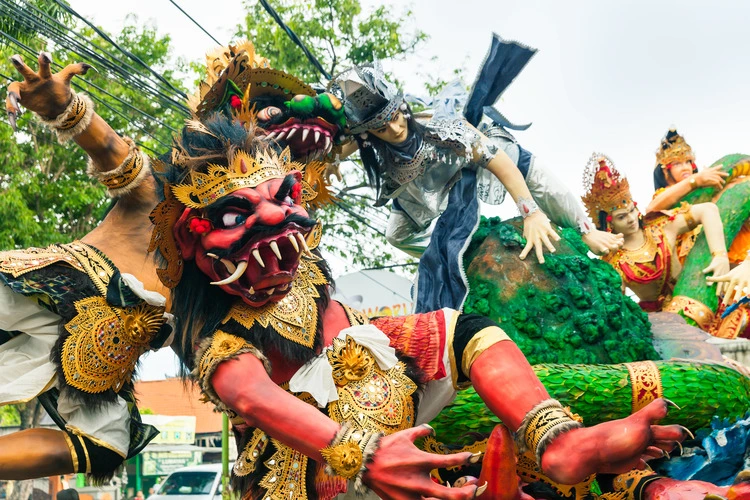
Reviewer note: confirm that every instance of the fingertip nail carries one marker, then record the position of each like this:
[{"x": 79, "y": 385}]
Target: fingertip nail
[
  {"x": 430, "y": 428},
  {"x": 47, "y": 56},
  {"x": 480, "y": 490},
  {"x": 687, "y": 431},
  {"x": 671, "y": 403},
  {"x": 475, "y": 458}
]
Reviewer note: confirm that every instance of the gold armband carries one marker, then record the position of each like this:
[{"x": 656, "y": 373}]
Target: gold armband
[
  {"x": 350, "y": 452},
  {"x": 127, "y": 176},
  {"x": 542, "y": 425},
  {"x": 74, "y": 120}
]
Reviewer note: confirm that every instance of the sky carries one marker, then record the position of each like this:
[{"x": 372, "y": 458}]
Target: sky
[{"x": 609, "y": 76}]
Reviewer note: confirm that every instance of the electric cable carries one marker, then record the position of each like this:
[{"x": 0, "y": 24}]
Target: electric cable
[{"x": 196, "y": 23}]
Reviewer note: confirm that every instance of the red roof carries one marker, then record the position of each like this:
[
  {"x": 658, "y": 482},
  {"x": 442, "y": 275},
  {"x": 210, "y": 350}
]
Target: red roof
[{"x": 173, "y": 397}]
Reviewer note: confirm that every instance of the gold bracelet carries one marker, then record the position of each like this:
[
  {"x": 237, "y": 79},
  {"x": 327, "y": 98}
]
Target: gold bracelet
[
  {"x": 127, "y": 176},
  {"x": 693, "y": 184},
  {"x": 542, "y": 425},
  {"x": 74, "y": 120},
  {"x": 720, "y": 253},
  {"x": 350, "y": 452}
]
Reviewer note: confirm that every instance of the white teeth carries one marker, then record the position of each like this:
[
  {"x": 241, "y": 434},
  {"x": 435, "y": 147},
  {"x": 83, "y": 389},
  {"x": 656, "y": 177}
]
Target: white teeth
[
  {"x": 317, "y": 136},
  {"x": 304, "y": 244},
  {"x": 294, "y": 243},
  {"x": 291, "y": 133},
  {"x": 251, "y": 291},
  {"x": 304, "y": 134},
  {"x": 280, "y": 137},
  {"x": 237, "y": 274},
  {"x": 275, "y": 247},
  {"x": 272, "y": 135},
  {"x": 270, "y": 291},
  {"x": 213, "y": 256},
  {"x": 256, "y": 254},
  {"x": 328, "y": 143},
  {"x": 230, "y": 265}
]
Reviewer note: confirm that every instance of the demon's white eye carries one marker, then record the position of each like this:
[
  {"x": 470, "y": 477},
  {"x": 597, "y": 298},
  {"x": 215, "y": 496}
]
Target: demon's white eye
[
  {"x": 231, "y": 219},
  {"x": 266, "y": 114}
]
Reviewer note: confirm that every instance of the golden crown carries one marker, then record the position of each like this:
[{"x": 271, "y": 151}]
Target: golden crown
[
  {"x": 606, "y": 190},
  {"x": 243, "y": 171},
  {"x": 673, "y": 149}
]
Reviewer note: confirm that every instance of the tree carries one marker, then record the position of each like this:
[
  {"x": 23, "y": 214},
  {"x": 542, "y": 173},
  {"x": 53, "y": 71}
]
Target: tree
[
  {"x": 340, "y": 35},
  {"x": 44, "y": 184}
]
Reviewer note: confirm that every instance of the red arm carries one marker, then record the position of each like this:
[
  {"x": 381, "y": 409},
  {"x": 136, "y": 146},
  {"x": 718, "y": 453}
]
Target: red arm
[{"x": 243, "y": 385}]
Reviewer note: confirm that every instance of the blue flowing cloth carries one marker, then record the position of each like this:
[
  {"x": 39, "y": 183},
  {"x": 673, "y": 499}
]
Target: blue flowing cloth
[{"x": 441, "y": 278}]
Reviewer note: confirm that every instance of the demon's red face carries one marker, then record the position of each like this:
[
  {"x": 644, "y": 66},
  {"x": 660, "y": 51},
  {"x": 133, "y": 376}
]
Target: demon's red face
[{"x": 249, "y": 242}]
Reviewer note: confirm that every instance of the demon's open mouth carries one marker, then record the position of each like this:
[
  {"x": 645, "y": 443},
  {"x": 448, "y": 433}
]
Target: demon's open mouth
[
  {"x": 308, "y": 139},
  {"x": 265, "y": 267}
]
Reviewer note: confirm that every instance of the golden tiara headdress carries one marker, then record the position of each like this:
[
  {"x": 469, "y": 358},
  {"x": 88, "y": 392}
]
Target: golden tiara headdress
[
  {"x": 243, "y": 171},
  {"x": 606, "y": 190},
  {"x": 673, "y": 149}
]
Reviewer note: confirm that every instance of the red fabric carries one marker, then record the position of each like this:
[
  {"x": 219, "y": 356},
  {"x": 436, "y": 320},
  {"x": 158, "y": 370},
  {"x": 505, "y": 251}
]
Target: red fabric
[{"x": 419, "y": 336}]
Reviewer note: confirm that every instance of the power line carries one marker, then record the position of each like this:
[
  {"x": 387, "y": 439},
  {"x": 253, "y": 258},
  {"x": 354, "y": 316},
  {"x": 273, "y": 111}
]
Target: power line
[
  {"x": 114, "y": 44},
  {"x": 57, "y": 32},
  {"x": 196, "y": 23}
]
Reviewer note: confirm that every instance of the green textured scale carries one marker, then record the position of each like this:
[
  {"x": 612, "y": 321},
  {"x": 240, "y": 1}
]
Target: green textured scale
[
  {"x": 568, "y": 310},
  {"x": 600, "y": 393},
  {"x": 734, "y": 207}
]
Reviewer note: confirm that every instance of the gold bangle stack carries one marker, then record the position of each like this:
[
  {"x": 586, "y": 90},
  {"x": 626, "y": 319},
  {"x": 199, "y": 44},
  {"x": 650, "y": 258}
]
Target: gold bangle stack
[
  {"x": 74, "y": 120},
  {"x": 542, "y": 424},
  {"x": 127, "y": 176},
  {"x": 350, "y": 452}
]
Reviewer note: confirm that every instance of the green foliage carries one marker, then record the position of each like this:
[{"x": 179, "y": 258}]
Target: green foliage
[
  {"x": 10, "y": 25},
  {"x": 9, "y": 416},
  {"x": 337, "y": 32},
  {"x": 47, "y": 196}
]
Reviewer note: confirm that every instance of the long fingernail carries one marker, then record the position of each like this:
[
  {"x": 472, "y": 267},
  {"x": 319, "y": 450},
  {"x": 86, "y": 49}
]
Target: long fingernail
[
  {"x": 671, "y": 403},
  {"x": 432, "y": 430},
  {"x": 47, "y": 57},
  {"x": 475, "y": 458},
  {"x": 12, "y": 120},
  {"x": 86, "y": 67},
  {"x": 665, "y": 453},
  {"x": 687, "y": 431},
  {"x": 679, "y": 445},
  {"x": 14, "y": 98},
  {"x": 16, "y": 59},
  {"x": 480, "y": 490}
]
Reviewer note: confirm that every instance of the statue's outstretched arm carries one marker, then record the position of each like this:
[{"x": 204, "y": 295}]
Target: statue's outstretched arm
[
  {"x": 671, "y": 195},
  {"x": 115, "y": 161}
]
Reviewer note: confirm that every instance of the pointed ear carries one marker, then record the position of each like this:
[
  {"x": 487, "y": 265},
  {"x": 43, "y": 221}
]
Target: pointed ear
[{"x": 187, "y": 240}]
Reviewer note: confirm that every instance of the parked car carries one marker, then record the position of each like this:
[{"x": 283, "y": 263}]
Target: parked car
[{"x": 199, "y": 482}]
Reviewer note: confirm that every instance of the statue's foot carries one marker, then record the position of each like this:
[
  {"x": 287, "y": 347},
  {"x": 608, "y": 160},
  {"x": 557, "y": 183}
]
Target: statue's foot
[
  {"x": 612, "y": 447},
  {"x": 671, "y": 489}
]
